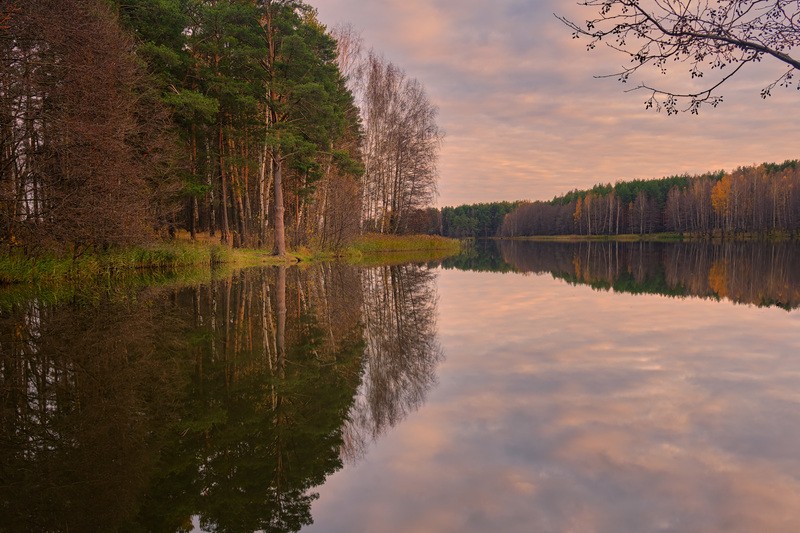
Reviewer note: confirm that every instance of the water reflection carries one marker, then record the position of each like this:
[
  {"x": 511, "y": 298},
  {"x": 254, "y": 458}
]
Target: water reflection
[
  {"x": 762, "y": 274},
  {"x": 274, "y": 375},
  {"x": 401, "y": 355},
  {"x": 87, "y": 391},
  {"x": 565, "y": 409},
  {"x": 221, "y": 405}
]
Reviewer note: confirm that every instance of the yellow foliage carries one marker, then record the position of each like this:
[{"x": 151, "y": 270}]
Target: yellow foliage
[
  {"x": 720, "y": 195},
  {"x": 717, "y": 279}
]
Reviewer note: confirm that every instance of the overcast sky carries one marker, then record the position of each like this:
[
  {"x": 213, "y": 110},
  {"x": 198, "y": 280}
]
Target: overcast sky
[{"x": 526, "y": 119}]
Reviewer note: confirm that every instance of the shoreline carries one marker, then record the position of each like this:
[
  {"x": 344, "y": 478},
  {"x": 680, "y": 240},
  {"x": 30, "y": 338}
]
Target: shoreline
[
  {"x": 654, "y": 237},
  {"x": 204, "y": 255}
]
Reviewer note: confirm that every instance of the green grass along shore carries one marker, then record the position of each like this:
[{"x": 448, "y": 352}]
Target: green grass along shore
[{"x": 17, "y": 268}]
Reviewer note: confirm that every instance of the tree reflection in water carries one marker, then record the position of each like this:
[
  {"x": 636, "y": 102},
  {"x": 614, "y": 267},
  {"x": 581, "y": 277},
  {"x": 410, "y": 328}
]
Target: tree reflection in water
[
  {"x": 401, "y": 352},
  {"x": 87, "y": 391},
  {"x": 276, "y": 367},
  {"x": 754, "y": 273},
  {"x": 223, "y": 404}
]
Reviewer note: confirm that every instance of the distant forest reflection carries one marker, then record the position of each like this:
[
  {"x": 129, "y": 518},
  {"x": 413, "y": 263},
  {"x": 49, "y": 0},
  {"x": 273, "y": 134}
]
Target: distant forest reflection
[
  {"x": 754, "y": 273},
  {"x": 219, "y": 405}
]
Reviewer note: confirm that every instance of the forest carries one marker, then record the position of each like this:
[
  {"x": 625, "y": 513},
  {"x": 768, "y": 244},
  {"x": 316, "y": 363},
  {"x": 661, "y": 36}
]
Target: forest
[
  {"x": 482, "y": 220},
  {"x": 123, "y": 121},
  {"x": 476, "y": 220},
  {"x": 761, "y": 200}
]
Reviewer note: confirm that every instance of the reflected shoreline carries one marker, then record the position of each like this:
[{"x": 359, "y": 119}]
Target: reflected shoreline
[{"x": 750, "y": 273}]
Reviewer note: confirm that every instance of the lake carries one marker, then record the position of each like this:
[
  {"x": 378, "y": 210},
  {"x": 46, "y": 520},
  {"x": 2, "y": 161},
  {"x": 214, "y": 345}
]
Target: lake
[{"x": 517, "y": 387}]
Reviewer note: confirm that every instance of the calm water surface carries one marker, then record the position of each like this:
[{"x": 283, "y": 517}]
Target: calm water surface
[{"x": 518, "y": 387}]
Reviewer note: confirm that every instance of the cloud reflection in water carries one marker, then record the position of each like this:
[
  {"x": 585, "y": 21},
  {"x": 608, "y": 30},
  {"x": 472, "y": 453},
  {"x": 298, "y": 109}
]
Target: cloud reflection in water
[{"x": 561, "y": 408}]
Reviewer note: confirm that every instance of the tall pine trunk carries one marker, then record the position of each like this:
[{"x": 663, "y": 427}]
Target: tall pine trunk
[
  {"x": 226, "y": 236},
  {"x": 280, "y": 231}
]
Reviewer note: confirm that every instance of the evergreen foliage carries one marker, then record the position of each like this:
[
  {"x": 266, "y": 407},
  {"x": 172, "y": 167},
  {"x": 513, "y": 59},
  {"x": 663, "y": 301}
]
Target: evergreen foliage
[
  {"x": 475, "y": 220},
  {"x": 124, "y": 119},
  {"x": 761, "y": 200}
]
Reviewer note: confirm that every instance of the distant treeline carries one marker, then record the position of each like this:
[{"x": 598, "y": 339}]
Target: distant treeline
[
  {"x": 477, "y": 220},
  {"x": 762, "y": 199},
  {"x": 759, "y": 199},
  {"x": 474, "y": 220}
]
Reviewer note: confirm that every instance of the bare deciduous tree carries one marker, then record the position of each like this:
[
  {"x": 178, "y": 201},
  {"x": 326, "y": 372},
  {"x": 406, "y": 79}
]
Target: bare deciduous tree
[
  {"x": 401, "y": 147},
  {"x": 716, "y": 38},
  {"x": 82, "y": 144},
  {"x": 401, "y": 136}
]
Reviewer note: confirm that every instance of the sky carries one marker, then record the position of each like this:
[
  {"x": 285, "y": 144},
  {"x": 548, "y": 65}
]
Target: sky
[{"x": 525, "y": 116}]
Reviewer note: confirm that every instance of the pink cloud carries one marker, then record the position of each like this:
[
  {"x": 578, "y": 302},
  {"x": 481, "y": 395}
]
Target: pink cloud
[{"x": 526, "y": 119}]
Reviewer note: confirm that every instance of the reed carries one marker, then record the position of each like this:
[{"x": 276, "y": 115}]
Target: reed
[{"x": 374, "y": 243}]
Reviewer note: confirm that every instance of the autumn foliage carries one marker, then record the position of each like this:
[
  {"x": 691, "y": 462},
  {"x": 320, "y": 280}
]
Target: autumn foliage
[
  {"x": 123, "y": 121},
  {"x": 762, "y": 199},
  {"x": 84, "y": 152}
]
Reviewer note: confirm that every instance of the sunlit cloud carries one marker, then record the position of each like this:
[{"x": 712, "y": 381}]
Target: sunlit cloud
[{"x": 527, "y": 119}]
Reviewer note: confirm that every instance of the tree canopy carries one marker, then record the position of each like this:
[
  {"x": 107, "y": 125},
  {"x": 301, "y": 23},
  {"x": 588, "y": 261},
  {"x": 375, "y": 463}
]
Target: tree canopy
[
  {"x": 759, "y": 199},
  {"x": 127, "y": 119}
]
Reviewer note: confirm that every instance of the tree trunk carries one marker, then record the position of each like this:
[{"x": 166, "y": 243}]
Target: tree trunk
[
  {"x": 280, "y": 232},
  {"x": 226, "y": 236},
  {"x": 195, "y": 217},
  {"x": 193, "y": 167},
  {"x": 212, "y": 213},
  {"x": 280, "y": 333}
]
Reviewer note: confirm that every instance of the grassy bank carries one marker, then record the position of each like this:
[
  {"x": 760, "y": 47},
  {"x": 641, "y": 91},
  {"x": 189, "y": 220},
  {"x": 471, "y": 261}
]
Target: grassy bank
[
  {"x": 382, "y": 244},
  {"x": 203, "y": 255},
  {"x": 374, "y": 249},
  {"x": 17, "y": 268}
]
